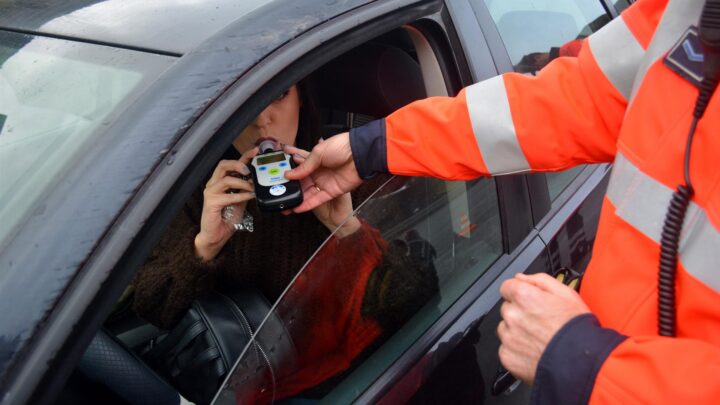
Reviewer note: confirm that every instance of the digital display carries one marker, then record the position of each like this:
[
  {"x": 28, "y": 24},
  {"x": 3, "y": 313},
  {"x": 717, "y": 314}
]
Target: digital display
[{"x": 275, "y": 157}]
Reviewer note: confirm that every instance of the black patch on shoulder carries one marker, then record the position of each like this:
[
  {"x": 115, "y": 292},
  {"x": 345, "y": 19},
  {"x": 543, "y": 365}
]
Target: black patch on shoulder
[{"x": 686, "y": 57}]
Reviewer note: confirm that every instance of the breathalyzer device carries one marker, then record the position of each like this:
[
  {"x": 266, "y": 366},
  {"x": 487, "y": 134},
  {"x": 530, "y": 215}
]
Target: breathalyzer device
[{"x": 273, "y": 192}]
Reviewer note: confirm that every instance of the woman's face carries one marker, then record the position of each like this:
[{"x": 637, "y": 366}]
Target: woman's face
[{"x": 279, "y": 120}]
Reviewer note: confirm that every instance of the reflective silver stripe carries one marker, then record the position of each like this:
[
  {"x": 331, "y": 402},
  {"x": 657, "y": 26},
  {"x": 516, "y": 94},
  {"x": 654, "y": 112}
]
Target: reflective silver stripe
[
  {"x": 642, "y": 202},
  {"x": 618, "y": 54},
  {"x": 700, "y": 252},
  {"x": 678, "y": 16},
  {"x": 492, "y": 124}
]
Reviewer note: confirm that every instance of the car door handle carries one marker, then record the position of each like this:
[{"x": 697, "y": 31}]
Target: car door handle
[{"x": 503, "y": 381}]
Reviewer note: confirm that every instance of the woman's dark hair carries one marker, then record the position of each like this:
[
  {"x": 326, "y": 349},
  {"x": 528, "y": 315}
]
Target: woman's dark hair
[{"x": 309, "y": 126}]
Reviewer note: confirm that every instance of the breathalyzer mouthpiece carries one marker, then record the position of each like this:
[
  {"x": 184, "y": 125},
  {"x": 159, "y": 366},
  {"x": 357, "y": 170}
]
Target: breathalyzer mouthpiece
[{"x": 268, "y": 146}]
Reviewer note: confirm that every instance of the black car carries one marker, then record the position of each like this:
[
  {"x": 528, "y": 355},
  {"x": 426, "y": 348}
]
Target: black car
[{"x": 113, "y": 112}]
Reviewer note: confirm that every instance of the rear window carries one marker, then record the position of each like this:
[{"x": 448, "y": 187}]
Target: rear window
[
  {"x": 56, "y": 96},
  {"x": 537, "y": 31}
]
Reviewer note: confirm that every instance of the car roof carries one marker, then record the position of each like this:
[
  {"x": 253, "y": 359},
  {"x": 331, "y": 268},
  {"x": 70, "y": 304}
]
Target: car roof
[{"x": 158, "y": 25}]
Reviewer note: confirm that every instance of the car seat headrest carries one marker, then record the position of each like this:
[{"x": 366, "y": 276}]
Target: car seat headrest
[{"x": 372, "y": 79}]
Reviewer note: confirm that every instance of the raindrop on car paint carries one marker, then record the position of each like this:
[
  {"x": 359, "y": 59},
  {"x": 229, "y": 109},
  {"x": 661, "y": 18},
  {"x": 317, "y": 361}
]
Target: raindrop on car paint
[{"x": 171, "y": 158}]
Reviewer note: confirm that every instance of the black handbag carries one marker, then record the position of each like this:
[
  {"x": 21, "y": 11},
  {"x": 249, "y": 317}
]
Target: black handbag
[{"x": 199, "y": 352}]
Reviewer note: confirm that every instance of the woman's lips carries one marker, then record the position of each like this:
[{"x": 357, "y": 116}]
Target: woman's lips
[{"x": 265, "y": 138}]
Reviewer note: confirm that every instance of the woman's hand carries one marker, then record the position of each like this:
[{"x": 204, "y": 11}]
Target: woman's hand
[
  {"x": 214, "y": 231},
  {"x": 334, "y": 212}
]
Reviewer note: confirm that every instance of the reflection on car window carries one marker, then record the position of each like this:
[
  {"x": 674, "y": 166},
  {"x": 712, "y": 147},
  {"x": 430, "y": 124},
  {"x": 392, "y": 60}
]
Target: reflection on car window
[
  {"x": 363, "y": 299},
  {"x": 537, "y": 31},
  {"x": 621, "y": 5},
  {"x": 558, "y": 181},
  {"x": 55, "y": 94}
]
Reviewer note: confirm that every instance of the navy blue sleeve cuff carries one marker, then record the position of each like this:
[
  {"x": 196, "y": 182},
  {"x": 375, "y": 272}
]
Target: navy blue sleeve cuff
[
  {"x": 567, "y": 369},
  {"x": 369, "y": 149}
]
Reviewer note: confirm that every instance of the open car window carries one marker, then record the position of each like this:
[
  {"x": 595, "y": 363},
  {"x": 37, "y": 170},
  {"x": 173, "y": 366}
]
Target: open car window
[{"x": 361, "y": 300}]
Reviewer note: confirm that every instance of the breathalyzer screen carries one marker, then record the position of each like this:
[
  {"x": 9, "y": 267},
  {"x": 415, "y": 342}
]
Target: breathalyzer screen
[{"x": 276, "y": 157}]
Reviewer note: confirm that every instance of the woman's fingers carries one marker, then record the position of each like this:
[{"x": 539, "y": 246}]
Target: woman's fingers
[
  {"x": 225, "y": 167},
  {"x": 248, "y": 155},
  {"x": 232, "y": 199},
  {"x": 221, "y": 170},
  {"x": 227, "y": 183}
]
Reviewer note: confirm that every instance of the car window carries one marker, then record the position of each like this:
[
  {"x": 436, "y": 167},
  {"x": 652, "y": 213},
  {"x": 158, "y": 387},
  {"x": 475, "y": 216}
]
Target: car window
[
  {"x": 558, "y": 181},
  {"x": 55, "y": 95},
  {"x": 362, "y": 300},
  {"x": 537, "y": 31},
  {"x": 621, "y": 5}
]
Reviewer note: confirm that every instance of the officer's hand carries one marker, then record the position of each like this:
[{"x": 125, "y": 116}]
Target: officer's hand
[
  {"x": 535, "y": 308},
  {"x": 327, "y": 173},
  {"x": 335, "y": 212}
]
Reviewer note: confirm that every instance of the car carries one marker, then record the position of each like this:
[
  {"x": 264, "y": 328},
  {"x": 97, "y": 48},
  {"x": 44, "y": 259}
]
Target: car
[{"x": 112, "y": 112}]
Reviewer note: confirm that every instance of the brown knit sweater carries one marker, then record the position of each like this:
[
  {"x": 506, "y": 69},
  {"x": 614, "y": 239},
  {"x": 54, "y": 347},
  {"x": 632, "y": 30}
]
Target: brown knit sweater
[{"x": 267, "y": 258}]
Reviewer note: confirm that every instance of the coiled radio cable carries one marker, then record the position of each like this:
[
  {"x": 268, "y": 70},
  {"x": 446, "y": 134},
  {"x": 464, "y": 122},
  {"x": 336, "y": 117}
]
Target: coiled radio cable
[{"x": 672, "y": 228}]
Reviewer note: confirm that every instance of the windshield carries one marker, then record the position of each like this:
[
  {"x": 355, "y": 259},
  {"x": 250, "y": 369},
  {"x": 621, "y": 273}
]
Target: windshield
[
  {"x": 361, "y": 300},
  {"x": 56, "y": 96}
]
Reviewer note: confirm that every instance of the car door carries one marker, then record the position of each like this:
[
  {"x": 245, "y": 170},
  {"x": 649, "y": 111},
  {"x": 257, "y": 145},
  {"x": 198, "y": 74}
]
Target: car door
[
  {"x": 442, "y": 247},
  {"x": 447, "y": 348},
  {"x": 473, "y": 234},
  {"x": 565, "y": 205}
]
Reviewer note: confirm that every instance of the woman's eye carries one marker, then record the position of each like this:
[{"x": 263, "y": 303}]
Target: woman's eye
[{"x": 282, "y": 95}]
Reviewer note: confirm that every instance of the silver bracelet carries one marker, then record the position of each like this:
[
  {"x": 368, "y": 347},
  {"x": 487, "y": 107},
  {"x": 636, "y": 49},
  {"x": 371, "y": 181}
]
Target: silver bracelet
[{"x": 246, "y": 224}]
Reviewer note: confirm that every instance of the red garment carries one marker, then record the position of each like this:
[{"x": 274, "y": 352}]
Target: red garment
[
  {"x": 322, "y": 311},
  {"x": 572, "y": 48}
]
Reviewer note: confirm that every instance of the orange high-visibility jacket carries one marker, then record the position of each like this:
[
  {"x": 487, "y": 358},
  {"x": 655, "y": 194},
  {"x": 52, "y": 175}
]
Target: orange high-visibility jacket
[{"x": 616, "y": 102}]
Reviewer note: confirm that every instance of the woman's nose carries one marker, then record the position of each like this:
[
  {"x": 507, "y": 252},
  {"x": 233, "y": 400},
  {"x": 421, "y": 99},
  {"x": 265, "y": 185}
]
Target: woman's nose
[{"x": 263, "y": 119}]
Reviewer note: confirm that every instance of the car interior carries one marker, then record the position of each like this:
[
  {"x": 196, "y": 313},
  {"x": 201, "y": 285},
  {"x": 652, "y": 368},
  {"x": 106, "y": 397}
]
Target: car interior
[{"x": 382, "y": 75}]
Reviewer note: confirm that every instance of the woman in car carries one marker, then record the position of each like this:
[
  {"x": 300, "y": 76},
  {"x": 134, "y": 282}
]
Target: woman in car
[{"x": 201, "y": 251}]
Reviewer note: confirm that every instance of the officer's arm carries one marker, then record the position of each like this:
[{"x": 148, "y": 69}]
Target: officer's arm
[
  {"x": 569, "y": 114},
  {"x": 585, "y": 363}
]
